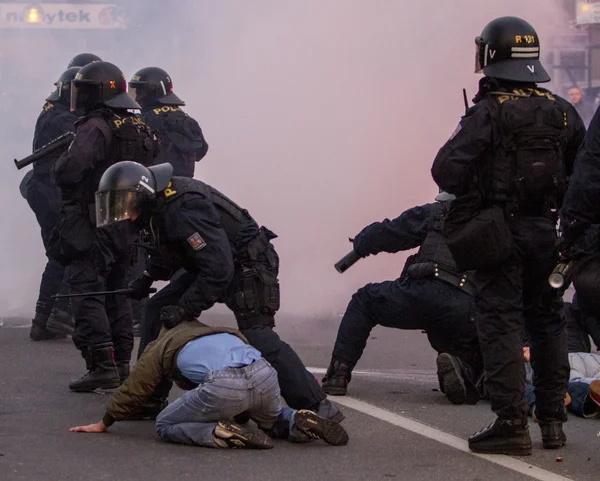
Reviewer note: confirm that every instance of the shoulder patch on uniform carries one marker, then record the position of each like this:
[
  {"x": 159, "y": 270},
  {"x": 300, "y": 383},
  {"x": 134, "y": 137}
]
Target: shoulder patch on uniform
[{"x": 196, "y": 241}]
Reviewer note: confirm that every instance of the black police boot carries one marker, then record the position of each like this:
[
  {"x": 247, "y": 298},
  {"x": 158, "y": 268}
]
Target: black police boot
[
  {"x": 61, "y": 321},
  {"x": 102, "y": 370},
  {"x": 337, "y": 378},
  {"x": 40, "y": 332},
  {"x": 123, "y": 370},
  {"x": 149, "y": 410},
  {"x": 327, "y": 410},
  {"x": 553, "y": 436},
  {"x": 504, "y": 436}
]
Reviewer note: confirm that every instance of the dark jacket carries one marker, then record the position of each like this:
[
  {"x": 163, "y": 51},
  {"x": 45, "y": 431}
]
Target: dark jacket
[
  {"x": 181, "y": 138},
  {"x": 191, "y": 236},
  {"x": 583, "y": 195},
  {"x": 158, "y": 362},
  {"x": 473, "y": 144},
  {"x": 55, "y": 120}
]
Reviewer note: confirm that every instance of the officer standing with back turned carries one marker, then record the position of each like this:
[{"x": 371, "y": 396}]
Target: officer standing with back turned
[
  {"x": 181, "y": 138},
  {"x": 507, "y": 163}
]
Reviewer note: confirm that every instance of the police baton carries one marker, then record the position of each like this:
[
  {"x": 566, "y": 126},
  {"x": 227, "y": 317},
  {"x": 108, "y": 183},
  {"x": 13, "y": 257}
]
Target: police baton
[{"x": 124, "y": 292}]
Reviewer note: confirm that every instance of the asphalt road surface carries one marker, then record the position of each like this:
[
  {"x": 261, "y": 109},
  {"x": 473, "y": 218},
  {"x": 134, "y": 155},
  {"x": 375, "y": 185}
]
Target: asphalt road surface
[{"x": 400, "y": 426}]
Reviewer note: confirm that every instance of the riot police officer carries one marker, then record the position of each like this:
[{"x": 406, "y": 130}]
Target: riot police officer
[
  {"x": 431, "y": 294},
  {"x": 212, "y": 251},
  {"x": 99, "y": 260},
  {"x": 82, "y": 59},
  {"x": 51, "y": 321},
  {"x": 181, "y": 138},
  {"x": 507, "y": 162}
]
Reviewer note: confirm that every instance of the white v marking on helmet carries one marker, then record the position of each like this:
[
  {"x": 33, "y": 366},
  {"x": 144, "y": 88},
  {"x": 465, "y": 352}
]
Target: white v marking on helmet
[
  {"x": 492, "y": 54},
  {"x": 531, "y": 68},
  {"x": 147, "y": 187}
]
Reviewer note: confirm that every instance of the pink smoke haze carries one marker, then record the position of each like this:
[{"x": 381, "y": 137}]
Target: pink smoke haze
[{"x": 322, "y": 117}]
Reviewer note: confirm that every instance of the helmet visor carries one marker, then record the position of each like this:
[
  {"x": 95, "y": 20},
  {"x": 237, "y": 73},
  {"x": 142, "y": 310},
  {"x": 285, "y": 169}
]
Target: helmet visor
[
  {"x": 115, "y": 206},
  {"x": 480, "y": 54},
  {"x": 83, "y": 96},
  {"x": 139, "y": 91}
]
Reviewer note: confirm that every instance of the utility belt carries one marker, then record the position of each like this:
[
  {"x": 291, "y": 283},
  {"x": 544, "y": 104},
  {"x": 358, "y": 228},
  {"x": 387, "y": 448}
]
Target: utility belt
[{"x": 431, "y": 270}]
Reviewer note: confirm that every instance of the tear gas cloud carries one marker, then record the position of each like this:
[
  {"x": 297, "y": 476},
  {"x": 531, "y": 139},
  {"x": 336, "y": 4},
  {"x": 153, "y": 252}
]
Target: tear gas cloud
[{"x": 322, "y": 117}]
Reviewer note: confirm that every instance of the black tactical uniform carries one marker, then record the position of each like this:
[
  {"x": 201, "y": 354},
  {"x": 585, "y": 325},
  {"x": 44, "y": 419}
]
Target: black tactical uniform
[
  {"x": 181, "y": 138},
  {"x": 507, "y": 162},
  {"x": 430, "y": 294},
  {"x": 43, "y": 197},
  {"x": 99, "y": 260},
  {"x": 212, "y": 251}
]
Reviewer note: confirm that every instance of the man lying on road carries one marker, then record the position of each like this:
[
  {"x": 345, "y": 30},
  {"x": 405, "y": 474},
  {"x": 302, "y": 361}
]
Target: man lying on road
[{"x": 225, "y": 377}]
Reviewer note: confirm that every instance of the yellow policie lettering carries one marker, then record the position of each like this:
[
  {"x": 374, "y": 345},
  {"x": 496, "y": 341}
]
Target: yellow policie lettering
[
  {"x": 132, "y": 120},
  {"x": 48, "y": 106},
  {"x": 168, "y": 191},
  {"x": 165, "y": 108}
]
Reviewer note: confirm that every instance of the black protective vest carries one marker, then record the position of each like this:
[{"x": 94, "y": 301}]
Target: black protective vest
[
  {"x": 181, "y": 138},
  {"x": 237, "y": 222},
  {"x": 434, "y": 249},
  {"x": 132, "y": 140},
  {"x": 526, "y": 165}
]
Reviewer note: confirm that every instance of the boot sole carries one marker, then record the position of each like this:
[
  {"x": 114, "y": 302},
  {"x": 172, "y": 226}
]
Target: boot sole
[
  {"x": 317, "y": 427},
  {"x": 454, "y": 386},
  {"x": 238, "y": 437},
  {"x": 521, "y": 451},
  {"x": 103, "y": 387},
  {"x": 335, "y": 391}
]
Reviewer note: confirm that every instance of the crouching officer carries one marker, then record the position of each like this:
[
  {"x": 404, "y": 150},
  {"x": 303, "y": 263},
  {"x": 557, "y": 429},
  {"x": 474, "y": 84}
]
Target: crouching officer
[
  {"x": 99, "y": 260},
  {"x": 181, "y": 139},
  {"x": 51, "y": 321},
  {"x": 507, "y": 163},
  {"x": 431, "y": 294},
  {"x": 212, "y": 251}
]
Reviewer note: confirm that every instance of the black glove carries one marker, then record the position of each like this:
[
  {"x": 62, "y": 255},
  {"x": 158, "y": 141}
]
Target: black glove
[
  {"x": 567, "y": 242},
  {"x": 140, "y": 287},
  {"x": 172, "y": 316}
]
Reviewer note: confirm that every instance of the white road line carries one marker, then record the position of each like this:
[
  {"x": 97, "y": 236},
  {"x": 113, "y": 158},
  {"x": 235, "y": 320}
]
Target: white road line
[
  {"x": 392, "y": 374},
  {"x": 447, "y": 439}
]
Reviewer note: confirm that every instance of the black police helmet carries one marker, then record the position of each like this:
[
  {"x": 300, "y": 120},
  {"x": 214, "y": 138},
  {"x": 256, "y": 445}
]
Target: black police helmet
[
  {"x": 126, "y": 188},
  {"x": 152, "y": 84},
  {"x": 509, "y": 49},
  {"x": 62, "y": 93},
  {"x": 100, "y": 84},
  {"x": 83, "y": 59}
]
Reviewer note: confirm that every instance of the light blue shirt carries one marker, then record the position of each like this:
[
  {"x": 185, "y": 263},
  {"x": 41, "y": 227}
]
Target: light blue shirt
[{"x": 214, "y": 353}]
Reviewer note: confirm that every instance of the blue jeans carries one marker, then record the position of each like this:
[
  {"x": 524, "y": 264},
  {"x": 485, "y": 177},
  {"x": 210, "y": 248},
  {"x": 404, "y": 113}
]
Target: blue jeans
[
  {"x": 581, "y": 404},
  {"x": 224, "y": 394}
]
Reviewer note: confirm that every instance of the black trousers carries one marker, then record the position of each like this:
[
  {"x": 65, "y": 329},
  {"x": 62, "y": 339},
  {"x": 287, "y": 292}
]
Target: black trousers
[
  {"x": 517, "y": 295},
  {"x": 299, "y": 387},
  {"x": 444, "y": 311},
  {"x": 44, "y": 199},
  {"x": 103, "y": 267}
]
